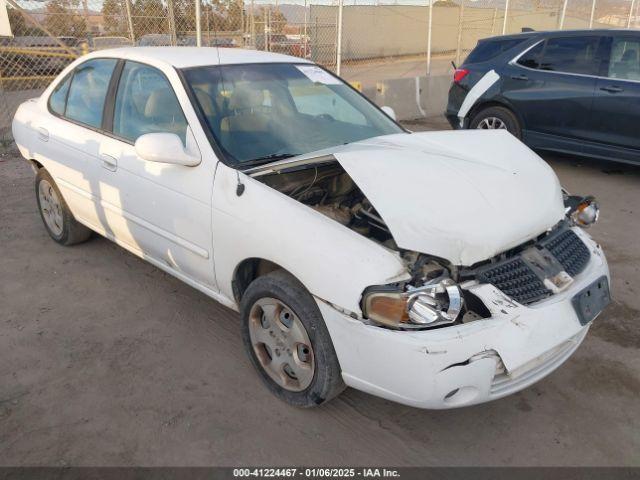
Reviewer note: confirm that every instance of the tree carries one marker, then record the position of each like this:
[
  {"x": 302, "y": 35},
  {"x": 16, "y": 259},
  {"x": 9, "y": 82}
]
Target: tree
[
  {"x": 114, "y": 13},
  {"x": 62, "y": 18},
  {"x": 20, "y": 26},
  {"x": 150, "y": 16}
]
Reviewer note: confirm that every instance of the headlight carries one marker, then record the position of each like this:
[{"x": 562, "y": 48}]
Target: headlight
[
  {"x": 583, "y": 211},
  {"x": 436, "y": 303}
]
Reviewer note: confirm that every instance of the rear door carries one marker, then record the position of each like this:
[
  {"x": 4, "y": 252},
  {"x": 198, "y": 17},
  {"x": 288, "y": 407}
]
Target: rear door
[
  {"x": 551, "y": 85},
  {"x": 615, "y": 117}
]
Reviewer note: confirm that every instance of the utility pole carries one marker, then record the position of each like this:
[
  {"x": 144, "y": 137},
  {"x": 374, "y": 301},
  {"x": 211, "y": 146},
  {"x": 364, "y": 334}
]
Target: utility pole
[
  {"x": 460, "y": 24},
  {"x": 132, "y": 34},
  {"x": 593, "y": 12},
  {"x": 633, "y": 4}
]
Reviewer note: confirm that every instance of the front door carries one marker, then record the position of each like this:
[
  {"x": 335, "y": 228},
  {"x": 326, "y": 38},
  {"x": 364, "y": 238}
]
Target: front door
[
  {"x": 161, "y": 211},
  {"x": 615, "y": 117}
]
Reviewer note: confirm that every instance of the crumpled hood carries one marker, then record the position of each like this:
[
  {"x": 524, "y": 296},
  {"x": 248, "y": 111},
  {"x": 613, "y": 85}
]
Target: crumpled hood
[{"x": 464, "y": 196}]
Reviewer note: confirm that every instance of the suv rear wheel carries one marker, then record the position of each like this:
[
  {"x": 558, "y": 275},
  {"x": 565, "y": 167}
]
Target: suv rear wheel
[{"x": 496, "y": 118}]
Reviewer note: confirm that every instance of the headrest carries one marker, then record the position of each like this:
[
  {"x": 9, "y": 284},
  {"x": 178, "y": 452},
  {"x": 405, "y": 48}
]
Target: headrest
[
  {"x": 244, "y": 97},
  {"x": 162, "y": 103}
]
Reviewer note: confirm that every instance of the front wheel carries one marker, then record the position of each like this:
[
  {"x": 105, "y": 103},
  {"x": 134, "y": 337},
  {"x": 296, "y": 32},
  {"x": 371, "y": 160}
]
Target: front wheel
[
  {"x": 285, "y": 336},
  {"x": 496, "y": 118}
]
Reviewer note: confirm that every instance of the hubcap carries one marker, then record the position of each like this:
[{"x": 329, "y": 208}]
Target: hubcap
[
  {"x": 281, "y": 344},
  {"x": 50, "y": 207},
  {"x": 491, "y": 123}
]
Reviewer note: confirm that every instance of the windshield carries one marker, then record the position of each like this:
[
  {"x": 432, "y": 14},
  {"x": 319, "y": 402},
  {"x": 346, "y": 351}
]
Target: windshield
[{"x": 261, "y": 112}]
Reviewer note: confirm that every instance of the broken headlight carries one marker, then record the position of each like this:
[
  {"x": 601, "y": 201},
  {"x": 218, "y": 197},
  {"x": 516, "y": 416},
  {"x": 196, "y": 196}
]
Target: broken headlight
[
  {"x": 438, "y": 302},
  {"x": 583, "y": 211}
]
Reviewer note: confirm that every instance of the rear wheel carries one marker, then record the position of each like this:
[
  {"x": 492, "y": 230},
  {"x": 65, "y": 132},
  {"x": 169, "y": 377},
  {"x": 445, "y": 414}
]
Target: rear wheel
[
  {"x": 55, "y": 214},
  {"x": 288, "y": 343},
  {"x": 496, "y": 118}
]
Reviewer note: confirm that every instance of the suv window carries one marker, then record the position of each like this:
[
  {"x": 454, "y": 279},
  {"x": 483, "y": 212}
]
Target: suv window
[
  {"x": 571, "y": 55},
  {"x": 488, "y": 49},
  {"x": 88, "y": 90},
  {"x": 146, "y": 103},
  {"x": 531, "y": 58},
  {"x": 625, "y": 58}
]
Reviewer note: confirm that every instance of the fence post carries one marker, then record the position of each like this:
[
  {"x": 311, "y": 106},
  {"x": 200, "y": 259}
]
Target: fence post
[
  {"x": 506, "y": 14},
  {"x": 493, "y": 21},
  {"x": 172, "y": 23},
  {"x": 339, "y": 39},
  {"x": 132, "y": 34},
  {"x": 429, "y": 37},
  {"x": 562, "y": 15},
  {"x": 305, "y": 34},
  {"x": 633, "y": 4},
  {"x": 460, "y": 23},
  {"x": 593, "y": 12},
  {"x": 198, "y": 25}
]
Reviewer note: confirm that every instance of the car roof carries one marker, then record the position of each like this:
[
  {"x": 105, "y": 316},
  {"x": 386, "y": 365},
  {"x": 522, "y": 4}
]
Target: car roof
[
  {"x": 185, "y": 57},
  {"x": 559, "y": 33}
]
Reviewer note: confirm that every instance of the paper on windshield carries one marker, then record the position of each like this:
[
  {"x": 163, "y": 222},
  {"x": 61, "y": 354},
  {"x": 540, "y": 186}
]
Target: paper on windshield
[{"x": 318, "y": 75}]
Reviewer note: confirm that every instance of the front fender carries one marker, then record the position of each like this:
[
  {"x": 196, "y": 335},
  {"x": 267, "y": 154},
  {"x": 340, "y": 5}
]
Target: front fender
[{"x": 333, "y": 262}]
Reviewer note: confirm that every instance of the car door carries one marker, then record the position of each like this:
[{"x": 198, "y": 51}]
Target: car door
[
  {"x": 551, "y": 86},
  {"x": 615, "y": 116},
  {"x": 160, "y": 211},
  {"x": 68, "y": 136}
]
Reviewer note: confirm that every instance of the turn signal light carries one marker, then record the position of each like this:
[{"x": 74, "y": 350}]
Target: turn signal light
[{"x": 459, "y": 74}]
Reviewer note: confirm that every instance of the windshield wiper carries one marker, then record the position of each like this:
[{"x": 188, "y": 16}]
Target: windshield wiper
[{"x": 267, "y": 159}]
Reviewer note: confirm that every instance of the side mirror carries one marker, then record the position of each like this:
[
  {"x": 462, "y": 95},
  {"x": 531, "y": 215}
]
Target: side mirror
[
  {"x": 164, "y": 148},
  {"x": 389, "y": 111}
]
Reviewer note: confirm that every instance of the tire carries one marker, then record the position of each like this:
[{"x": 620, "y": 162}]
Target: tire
[
  {"x": 507, "y": 118},
  {"x": 297, "y": 386},
  {"x": 55, "y": 213}
]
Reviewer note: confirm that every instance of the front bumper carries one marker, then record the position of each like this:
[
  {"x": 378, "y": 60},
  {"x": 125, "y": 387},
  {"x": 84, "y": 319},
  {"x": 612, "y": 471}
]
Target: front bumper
[{"x": 467, "y": 364}]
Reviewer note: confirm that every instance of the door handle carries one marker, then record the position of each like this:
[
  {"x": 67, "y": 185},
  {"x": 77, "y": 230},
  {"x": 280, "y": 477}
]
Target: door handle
[
  {"x": 519, "y": 77},
  {"x": 43, "y": 134},
  {"x": 612, "y": 89},
  {"x": 109, "y": 162}
]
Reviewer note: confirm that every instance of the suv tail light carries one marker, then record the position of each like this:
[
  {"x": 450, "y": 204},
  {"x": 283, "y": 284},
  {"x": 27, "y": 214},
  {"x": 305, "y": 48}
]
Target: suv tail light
[{"x": 459, "y": 74}]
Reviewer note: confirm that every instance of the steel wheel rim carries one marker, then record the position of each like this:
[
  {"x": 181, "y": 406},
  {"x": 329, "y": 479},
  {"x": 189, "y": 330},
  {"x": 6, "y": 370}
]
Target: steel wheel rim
[
  {"x": 281, "y": 344},
  {"x": 491, "y": 123},
  {"x": 50, "y": 207}
]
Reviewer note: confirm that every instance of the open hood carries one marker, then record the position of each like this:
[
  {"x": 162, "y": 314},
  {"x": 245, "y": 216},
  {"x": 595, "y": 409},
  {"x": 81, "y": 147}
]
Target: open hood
[{"x": 463, "y": 196}]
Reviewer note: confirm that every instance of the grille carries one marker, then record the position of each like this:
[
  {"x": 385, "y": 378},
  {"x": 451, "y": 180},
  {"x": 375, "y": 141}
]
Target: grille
[
  {"x": 569, "y": 250},
  {"x": 516, "y": 279}
]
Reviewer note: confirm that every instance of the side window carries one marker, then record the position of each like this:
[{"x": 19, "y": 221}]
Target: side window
[
  {"x": 488, "y": 49},
  {"x": 625, "y": 58},
  {"x": 571, "y": 55},
  {"x": 318, "y": 99},
  {"x": 531, "y": 58},
  {"x": 146, "y": 103},
  {"x": 58, "y": 99},
  {"x": 88, "y": 90}
]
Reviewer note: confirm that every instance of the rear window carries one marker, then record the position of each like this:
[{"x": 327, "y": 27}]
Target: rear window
[{"x": 488, "y": 49}]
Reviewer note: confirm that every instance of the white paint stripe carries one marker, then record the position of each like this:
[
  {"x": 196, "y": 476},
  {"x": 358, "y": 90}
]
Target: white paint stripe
[{"x": 476, "y": 92}]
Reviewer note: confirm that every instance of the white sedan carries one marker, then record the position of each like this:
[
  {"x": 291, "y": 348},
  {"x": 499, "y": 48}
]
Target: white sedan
[{"x": 437, "y": 269}]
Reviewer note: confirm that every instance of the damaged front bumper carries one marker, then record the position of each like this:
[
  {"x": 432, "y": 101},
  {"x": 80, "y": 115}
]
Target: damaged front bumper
[{"x": 467, "y": 364}]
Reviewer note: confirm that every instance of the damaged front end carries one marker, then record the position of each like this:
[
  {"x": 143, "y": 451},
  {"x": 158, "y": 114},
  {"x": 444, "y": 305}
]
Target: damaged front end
[{"x": 438, "y": 293}]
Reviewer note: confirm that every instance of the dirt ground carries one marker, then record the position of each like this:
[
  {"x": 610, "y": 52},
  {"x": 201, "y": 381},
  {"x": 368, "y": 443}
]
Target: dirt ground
[{"x": 106, "y": 360}]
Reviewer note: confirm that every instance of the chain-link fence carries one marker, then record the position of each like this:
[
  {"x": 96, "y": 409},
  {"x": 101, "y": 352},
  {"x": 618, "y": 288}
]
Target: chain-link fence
[{"x": 365, "y": 41}]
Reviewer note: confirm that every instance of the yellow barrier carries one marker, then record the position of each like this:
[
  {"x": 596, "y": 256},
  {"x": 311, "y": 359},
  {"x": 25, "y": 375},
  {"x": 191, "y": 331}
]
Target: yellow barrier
[
  {"x": 356, "y": 84},
  {"x": 29, "y": 51}
]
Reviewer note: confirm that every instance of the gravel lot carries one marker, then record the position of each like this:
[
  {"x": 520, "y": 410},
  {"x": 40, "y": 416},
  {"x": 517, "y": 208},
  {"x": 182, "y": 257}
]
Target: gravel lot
[{"x": 106, "y": 360}]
